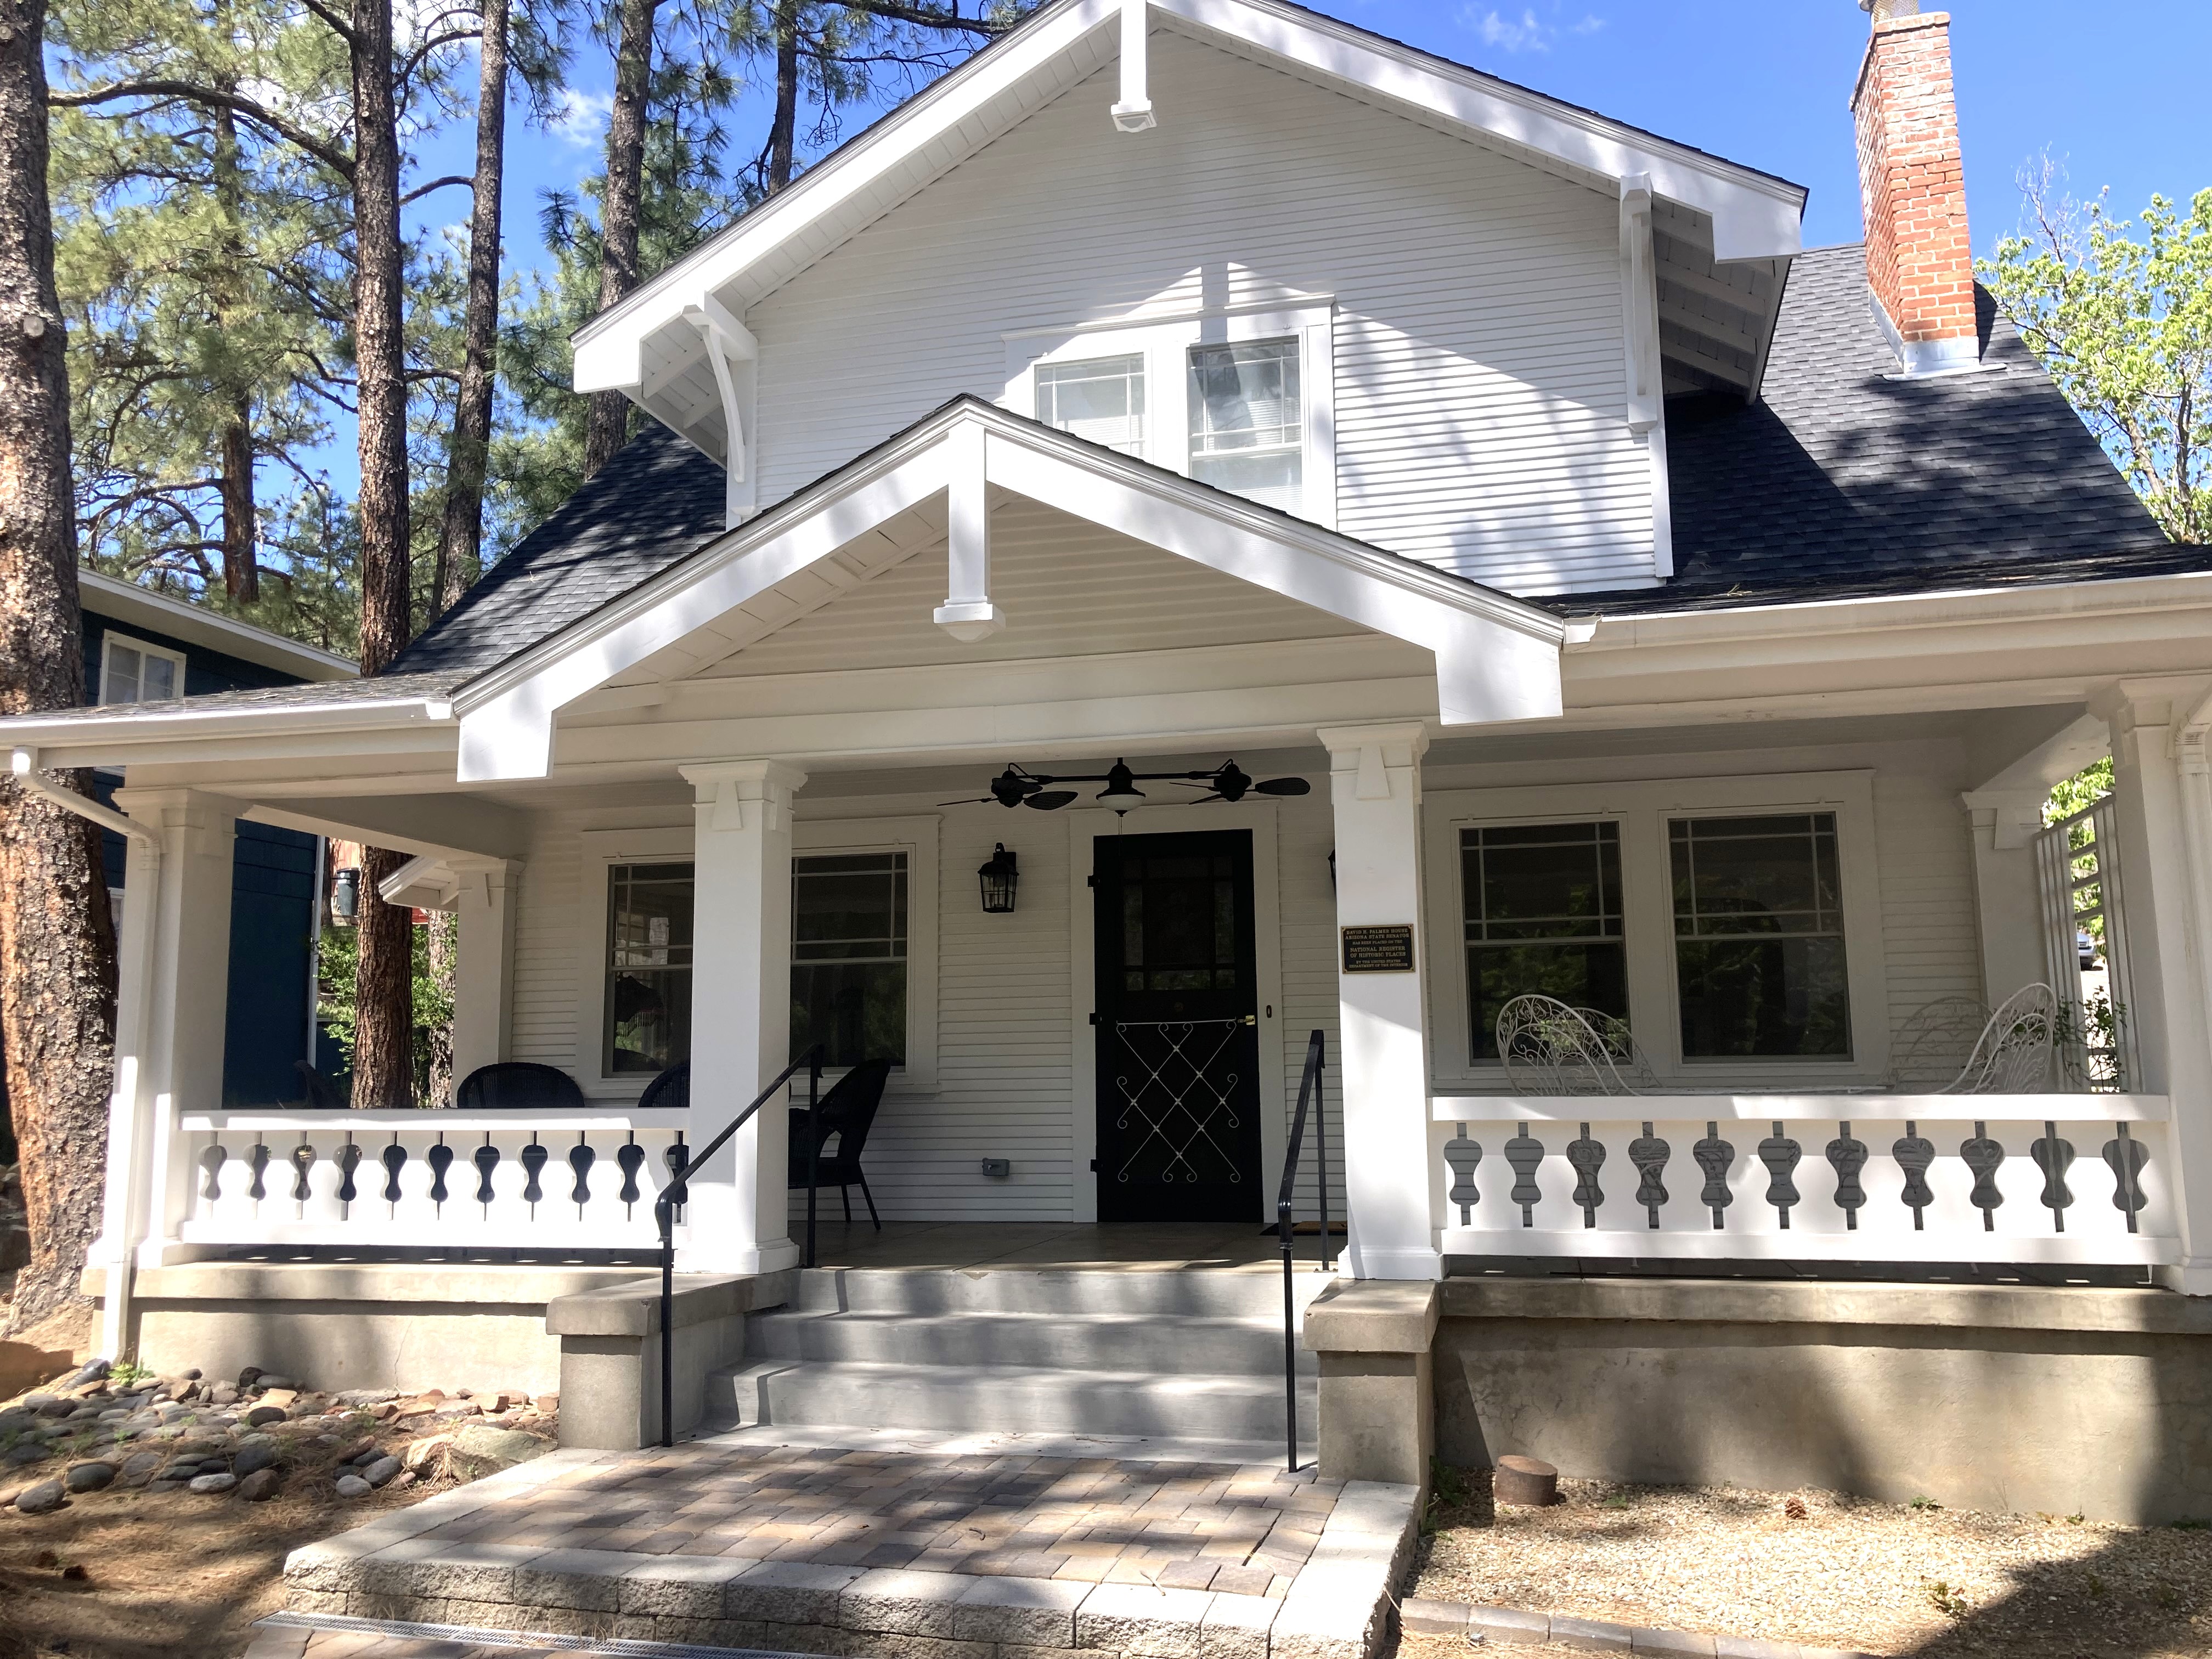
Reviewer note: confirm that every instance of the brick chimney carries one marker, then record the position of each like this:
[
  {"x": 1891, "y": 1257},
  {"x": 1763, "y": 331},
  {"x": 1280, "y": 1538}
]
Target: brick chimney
[{"x": 1920, "y": 265}]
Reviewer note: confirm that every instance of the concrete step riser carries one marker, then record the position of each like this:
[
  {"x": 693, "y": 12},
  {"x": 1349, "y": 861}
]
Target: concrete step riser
[
  {"x": 1045, "y": 1403},
  {"x": 1166, "y": 1346},
  {"x": 1201, "y": 1294}
]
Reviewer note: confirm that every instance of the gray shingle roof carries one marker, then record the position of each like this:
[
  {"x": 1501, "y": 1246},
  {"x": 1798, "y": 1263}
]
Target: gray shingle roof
[
  {"x": 1843, "y": 480},
  {"x": 656, "y": 503}
]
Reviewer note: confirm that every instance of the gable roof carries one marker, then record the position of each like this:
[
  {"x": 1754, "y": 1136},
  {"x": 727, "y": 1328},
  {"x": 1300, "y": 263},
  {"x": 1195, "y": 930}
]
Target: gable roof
[
  {"x": 1846, "y": 481},
  {"x": 648, "y": 345}
]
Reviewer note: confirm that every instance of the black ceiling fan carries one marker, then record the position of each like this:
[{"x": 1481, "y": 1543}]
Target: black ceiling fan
[{"x": 1019, "y": 787}]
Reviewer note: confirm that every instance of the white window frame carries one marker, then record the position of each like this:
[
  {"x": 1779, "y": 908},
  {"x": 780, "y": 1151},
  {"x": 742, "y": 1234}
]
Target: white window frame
[
  {"x": 1643, "y": 810},
  {"x": 111, "y": 637},
  {"x": 917, "y": 837},
  {"x": 1164, "y": 341}
]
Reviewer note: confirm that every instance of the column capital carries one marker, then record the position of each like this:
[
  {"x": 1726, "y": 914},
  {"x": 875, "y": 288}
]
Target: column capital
[
  {"x": 2013, "y": 815},
  {"x": 1365, "y": 759},
  {"x": 722, "y": 791},
  {"x": 1402, "y": 742}
]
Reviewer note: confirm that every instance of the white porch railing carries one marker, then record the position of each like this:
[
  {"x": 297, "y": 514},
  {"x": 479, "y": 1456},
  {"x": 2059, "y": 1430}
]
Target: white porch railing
[
  {"x": 572, "y": 1179},
  {"x": 2076, "y": 1178}
]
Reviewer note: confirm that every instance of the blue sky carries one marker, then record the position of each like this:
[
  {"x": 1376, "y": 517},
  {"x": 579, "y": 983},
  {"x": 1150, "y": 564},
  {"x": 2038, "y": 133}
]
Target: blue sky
[{"x": 2116, "y": 93}]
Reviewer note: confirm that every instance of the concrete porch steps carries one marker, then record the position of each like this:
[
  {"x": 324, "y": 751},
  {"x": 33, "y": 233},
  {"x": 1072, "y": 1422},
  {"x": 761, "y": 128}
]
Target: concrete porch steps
[{"x": 1165, "y": 1356}]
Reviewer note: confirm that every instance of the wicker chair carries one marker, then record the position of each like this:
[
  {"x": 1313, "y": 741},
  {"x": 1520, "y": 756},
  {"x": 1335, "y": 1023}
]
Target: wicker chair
[
  {"x": 516, "y": 1085},
  {"x": 847, "y": 1111},
  {"x": 2013, "y": 1056},
  {"x": 1550, "y": 1050}
]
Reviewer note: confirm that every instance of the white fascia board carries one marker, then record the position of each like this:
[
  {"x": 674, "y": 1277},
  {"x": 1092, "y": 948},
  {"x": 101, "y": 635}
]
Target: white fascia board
[
  {"x": 88, "y": 733},
  {"x": 1496, "y": 659},
  {"x": 1755, "y": 217},
  {"x": 129, "y": 605}
]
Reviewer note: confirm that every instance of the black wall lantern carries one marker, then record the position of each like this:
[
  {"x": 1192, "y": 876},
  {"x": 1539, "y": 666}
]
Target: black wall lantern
[
  {"x": 999, "y": 878},
  {"x": 345, "y": 894}
]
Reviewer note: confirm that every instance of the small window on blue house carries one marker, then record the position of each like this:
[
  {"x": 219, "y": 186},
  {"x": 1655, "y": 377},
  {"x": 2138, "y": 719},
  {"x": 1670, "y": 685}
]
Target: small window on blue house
[{"x": 132, "y": 671}]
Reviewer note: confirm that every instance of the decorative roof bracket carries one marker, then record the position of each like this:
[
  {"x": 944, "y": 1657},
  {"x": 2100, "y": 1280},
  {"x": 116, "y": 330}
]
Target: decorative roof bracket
[{"x": 1134, "y": 111}]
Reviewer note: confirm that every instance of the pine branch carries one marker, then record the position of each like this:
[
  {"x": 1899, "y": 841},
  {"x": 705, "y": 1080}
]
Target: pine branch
[
  {"x": 213, "y": 98},
  {"x": 924, "y": 16},
  {"x": 421, "y": 190}
]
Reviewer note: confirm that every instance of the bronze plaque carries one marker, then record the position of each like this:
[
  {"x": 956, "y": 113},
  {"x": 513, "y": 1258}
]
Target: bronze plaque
[{"x": 1387, "y": 950}]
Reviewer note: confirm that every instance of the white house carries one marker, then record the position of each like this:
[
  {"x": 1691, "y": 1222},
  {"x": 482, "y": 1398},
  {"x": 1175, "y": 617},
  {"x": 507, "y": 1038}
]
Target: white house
[{"x": 1663, "y": 615}]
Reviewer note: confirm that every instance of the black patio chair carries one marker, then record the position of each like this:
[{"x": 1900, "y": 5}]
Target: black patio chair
[
  {"x": 516, "y": 1085},
  {"x": 670, "y": 1089},
  {"x": 847, "y": 1111}
]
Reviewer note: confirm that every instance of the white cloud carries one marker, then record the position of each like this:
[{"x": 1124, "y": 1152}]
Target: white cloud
[
  {"x": 580, "y": 117},
  {"x": 1524, "y": 31}
]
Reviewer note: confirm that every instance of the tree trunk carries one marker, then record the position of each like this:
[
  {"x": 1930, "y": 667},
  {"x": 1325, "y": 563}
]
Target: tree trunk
[
  {"x": 242, "y": 576},
  {"x": 783, "y": 129},
  {"x": 444, "y": 942},
  {"x": 57, "y": 949},
  {"x": 461, "y": 539},
  {"x": 384, "y": 1071},
  {"x": 607, "y": 423}
]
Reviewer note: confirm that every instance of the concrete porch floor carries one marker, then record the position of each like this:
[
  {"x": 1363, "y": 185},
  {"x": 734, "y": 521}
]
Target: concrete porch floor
[
  {"x": 880, "y": 1546},
  {"x": 1045, "y": 1246}
]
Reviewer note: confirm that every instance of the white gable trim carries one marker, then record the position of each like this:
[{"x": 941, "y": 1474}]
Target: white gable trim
[
  {"x": 1755, "y": 217},
  {"x": 1496, "y": 659}
]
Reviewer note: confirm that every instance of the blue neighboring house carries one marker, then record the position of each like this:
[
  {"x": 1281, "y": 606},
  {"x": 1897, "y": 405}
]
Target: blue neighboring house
[{"x": 142, "y": 647}]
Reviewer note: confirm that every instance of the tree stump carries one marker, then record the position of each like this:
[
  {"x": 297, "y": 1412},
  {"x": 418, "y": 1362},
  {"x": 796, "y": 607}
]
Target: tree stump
[{"x": 1524, "y": 1480}]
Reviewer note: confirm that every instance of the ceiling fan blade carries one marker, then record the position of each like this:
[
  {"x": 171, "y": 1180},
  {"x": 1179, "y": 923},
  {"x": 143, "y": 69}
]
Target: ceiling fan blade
[
  {"x": 1284, "y": 787},
  {"x": 979, "y": 801},
  {"x": 1051, "y": 801},
  {"x": 1202, "y": 800}
]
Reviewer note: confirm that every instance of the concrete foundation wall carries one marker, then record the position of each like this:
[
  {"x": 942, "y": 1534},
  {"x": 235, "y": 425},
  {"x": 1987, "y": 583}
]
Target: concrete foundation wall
[{"x": 2008, "y": 1399}]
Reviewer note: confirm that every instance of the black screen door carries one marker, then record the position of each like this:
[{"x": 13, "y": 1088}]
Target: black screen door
[{"x": 1178, "y": 1036}]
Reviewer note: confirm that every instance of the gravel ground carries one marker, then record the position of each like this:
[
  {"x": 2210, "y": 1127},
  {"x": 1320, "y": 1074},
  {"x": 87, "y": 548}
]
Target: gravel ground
[{"x": 1883, "y": 1578}]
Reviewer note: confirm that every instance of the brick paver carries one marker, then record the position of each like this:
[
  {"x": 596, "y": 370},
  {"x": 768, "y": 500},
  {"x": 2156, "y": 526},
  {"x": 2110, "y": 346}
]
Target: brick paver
[{"x": 1086, "y": 1520}]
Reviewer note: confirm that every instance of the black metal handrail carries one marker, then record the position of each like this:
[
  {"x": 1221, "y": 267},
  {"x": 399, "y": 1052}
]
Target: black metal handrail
[
  {"x": 677, "y": 1190},
  {"x": 1309, "y": 1090}
]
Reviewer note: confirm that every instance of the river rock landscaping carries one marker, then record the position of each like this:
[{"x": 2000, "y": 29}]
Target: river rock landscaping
[{"x": 151, "y": 1515}]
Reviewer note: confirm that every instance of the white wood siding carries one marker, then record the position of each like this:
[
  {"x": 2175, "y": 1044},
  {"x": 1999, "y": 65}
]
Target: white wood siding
[{"x": 1479, "y": 381}]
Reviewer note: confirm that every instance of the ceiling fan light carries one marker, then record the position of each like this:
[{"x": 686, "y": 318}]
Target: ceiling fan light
[{"x": 1120, "y": 792}]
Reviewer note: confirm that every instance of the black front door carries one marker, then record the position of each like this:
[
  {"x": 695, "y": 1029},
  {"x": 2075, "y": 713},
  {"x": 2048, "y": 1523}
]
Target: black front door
[{"x": 1178, "y": 1032}]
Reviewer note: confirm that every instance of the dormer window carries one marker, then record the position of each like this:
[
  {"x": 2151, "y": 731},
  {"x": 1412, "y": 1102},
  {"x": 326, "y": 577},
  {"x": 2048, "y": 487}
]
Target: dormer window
[
  {"x": 132, "y": 671},
  {"x": 1101, "y": 399},
  {"x": 1247, "y": 434}
]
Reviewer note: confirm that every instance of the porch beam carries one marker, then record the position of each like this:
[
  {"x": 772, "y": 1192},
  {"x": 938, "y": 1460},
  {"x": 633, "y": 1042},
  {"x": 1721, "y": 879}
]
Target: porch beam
[
  {"x": 1374, "y": 785},
  {"x": 738, "y": 1219}
]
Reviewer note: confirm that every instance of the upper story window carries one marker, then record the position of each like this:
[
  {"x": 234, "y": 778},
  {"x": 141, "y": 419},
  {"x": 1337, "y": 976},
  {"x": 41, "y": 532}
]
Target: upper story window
[
  {"x": 1241, "y": 398},
  {"x": 1247, "y": 433},
  {"x": 1100, "y": 399},
  {"x": 132, "y": 671}
]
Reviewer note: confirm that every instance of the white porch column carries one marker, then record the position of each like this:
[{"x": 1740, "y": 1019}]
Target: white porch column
[
  {"x": 2002, "y": 824},
  {"x": 1382, "y": 1062},
  {"x": 741, "y": 1012},
  {"x": 173, "y": 995},
  {"x": 2166, "y": 881},
  {"x": 484, "y": 975}
]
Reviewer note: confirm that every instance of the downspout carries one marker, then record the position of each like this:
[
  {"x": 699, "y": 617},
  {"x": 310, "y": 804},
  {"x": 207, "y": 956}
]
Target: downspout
[{"x": 115, "y": 1242}]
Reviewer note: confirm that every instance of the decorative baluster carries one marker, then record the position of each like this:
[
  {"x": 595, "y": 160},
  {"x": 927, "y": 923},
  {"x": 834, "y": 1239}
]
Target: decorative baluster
[
  {"x": 1847, "y": 1157},
  {"x": 1781, "y": 1156},
  {"x": 349, "y": 1161},
  {"x": 1714, "y": 1156},
  {"x": 1915, "y": 1155},
  {"x": 486, "y": 1158},
  {"x": 1461, "y": 1155},
  {"x": 440, "y": 1157},
  {"x": 678, "y": 1158},
  {"x": 2054, "y": 1157},
  {"x": 1525, "y": 1153},
  {"x": 631, "y": 1158},
  {"x": 257, "y": 1189},
  {"x": 211, "y": 1161},
  {"x": 534, "y": 1161},
  {"x": 394, "y": 1160},
  {"x": 1984, "y": 1158},
  {"x": 580, "y": 1159},
  {"x": 302, "y": 1159},
  {"x": 1650, "y": 1154},
  {"x": 1588, "y": 1158},
  {"x": 2127, "y": 1156}
]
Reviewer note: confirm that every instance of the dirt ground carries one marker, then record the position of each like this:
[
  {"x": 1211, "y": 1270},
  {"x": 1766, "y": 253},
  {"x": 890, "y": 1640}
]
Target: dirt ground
[{"x": 1882, "y": 1579}]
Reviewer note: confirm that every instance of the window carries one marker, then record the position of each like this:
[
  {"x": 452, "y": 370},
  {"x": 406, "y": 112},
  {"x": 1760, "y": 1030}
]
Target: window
[
  {"x": 1543, "y": 915},
  {"x": 1102, "y": 400},
  {"x": 646, "y": 1017},
  {"x": 134, "y": 671},
  {"x": 849, "y": 947},
  {"x": 1247, "y": 434},
  {"x": 1758, "y": 936},
  {"x": 1179, "y": 930}
]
